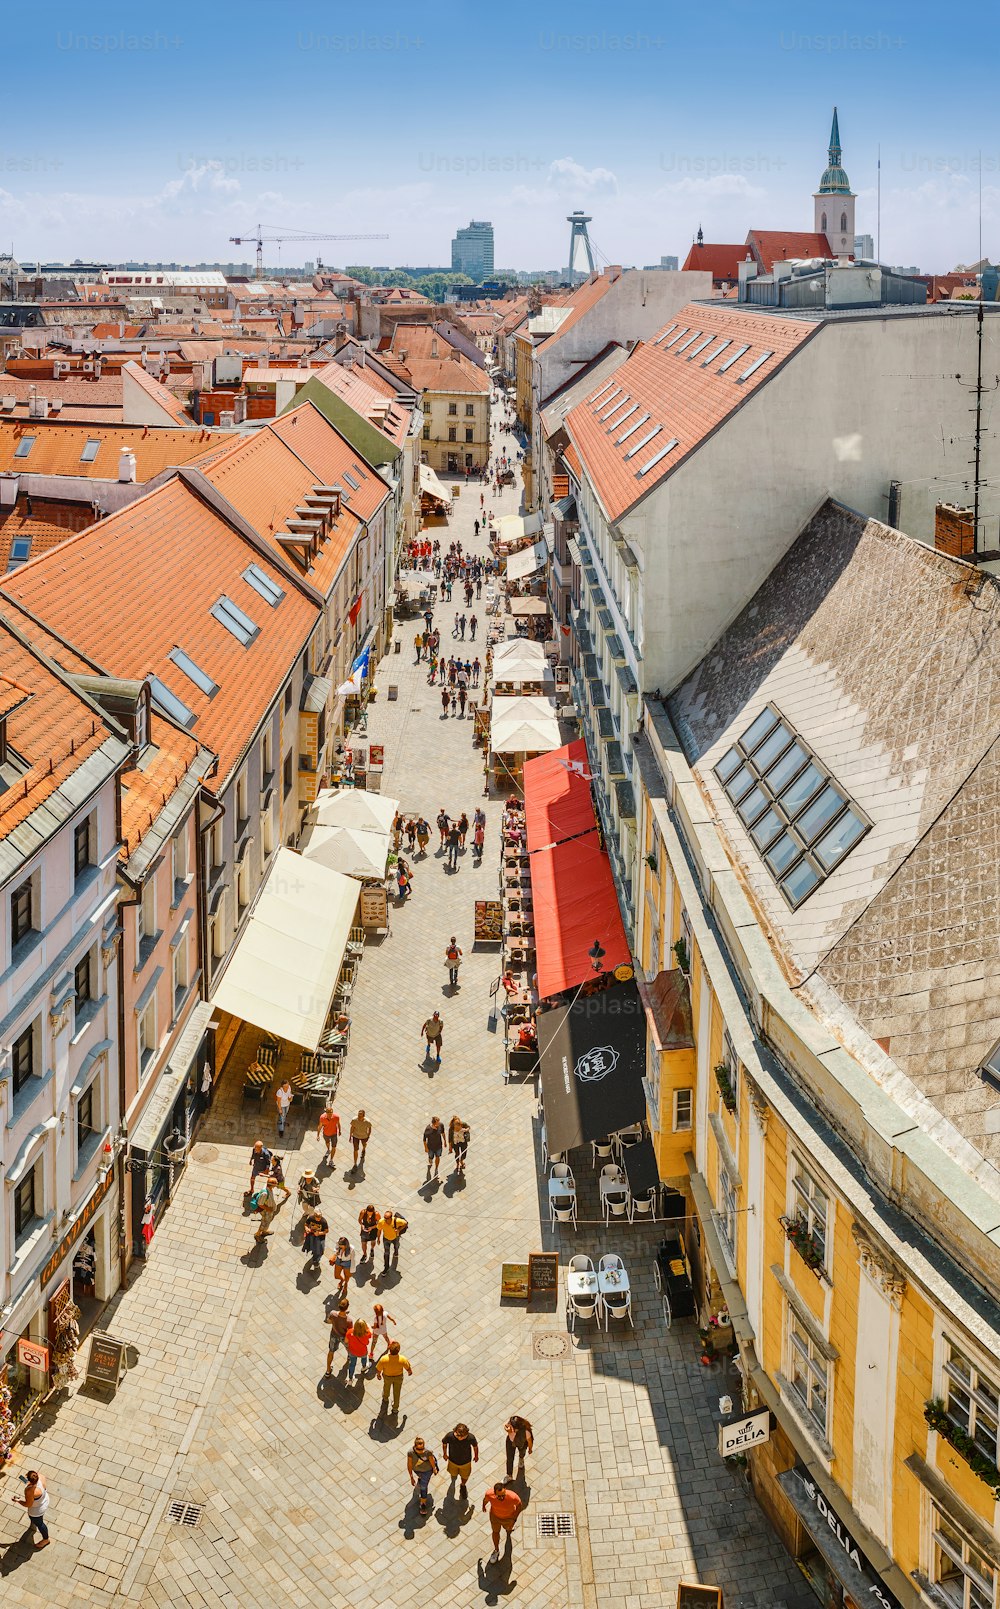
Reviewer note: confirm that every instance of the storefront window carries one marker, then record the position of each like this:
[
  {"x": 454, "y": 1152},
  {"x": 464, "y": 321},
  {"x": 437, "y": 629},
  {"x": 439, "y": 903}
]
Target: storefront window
[
  {"x": 962, "y": 1577},
  {"x": 808, "y": 1373},
  {"x": 972, "y": 1402}
]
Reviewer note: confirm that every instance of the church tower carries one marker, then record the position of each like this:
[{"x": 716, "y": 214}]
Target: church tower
[{"x": 834, "y": 201}]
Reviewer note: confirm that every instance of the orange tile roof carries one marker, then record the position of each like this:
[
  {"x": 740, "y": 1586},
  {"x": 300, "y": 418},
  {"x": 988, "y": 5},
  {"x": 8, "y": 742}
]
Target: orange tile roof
[
  {"x": 329, "y": 455},
  {"x": 680, "y": 391},
  {"x": 369, "y": 395},
  {"x": 450, "y": 375},
  {"x": 16, "y": 524},
  {"x": 157, "y": 393},
  {"x": 103, "y": 393},
  {"x": 580, "y": 302},
  {"x": 115, "y": 332},
  {"x": 146, "y": 789},
  {"x": 53, "y": 730},
  {"x": 159, "y": 566},
  {"x": 722, "y": 262},
  {"x": 58, "y": 447},
  {"x": 772, "y": 246},
  {"x": 572, "y": 458}
]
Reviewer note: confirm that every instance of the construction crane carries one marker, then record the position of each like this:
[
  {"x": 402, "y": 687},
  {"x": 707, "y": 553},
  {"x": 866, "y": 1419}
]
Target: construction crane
[{"x": 293, "y": 236}]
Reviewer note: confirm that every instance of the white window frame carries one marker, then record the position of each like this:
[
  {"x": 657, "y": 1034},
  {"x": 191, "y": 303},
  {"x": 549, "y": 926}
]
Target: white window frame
[
  {"x": 145, "y": 913},
  {"x": 179, "y": 855},
  {"x": 147, "y": 1035},
  {"x": 804, "y": 1196},
  {"x": 956, "y": 1547},
  {"x": 180, "y": 974},
  {"x": 242, "y": 797},
  {"x": 218, "y": 849},
  {"x": 727, "y": 1210},
  {"x": 979, "y": 1401},
  {"x": 679, "y": 1127},
  {"x": 802, "y": 1350}
]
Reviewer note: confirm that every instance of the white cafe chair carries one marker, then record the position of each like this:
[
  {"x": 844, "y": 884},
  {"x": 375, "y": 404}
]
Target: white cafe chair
[
  {"x": 610, "y": 1170},
  {"x": 562, "y": 1210},
  {"x": 562, "y": 1170},
  {"x": 602, "y": 1151},
  {"x": 615, "y": 1203},
  {"x": 617, "y": 1304},
  {"x": 581, "y": 1307},
  {"x": 611, "y": 1261},
  {"x": 642, "y": 1206},
  {"x": 579, "y": 1263}
]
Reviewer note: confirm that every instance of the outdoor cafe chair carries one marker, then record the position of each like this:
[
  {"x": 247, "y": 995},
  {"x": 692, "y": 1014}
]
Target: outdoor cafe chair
[
  {"x": 617, "y": 1304},
  {"x": 643, "y": 1205},
  {"x": 562, "y": 1210},
  {"x": 581, "y": 1307},
  {"x": 580, "y": 1263},
  {"x": 562, "y": 1170},
  {"x": 615, "y": 1205},
  {"x": 611, "y": 1262},
  {"x": 602, "y": 1151}
]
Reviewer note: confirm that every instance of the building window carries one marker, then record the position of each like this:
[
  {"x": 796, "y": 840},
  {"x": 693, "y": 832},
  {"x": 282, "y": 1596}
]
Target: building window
[
  {"x": 267, "y": 755},
  {"x": 181, "y": 974},
  {"x": 972, "y": 1401},
  {"x": 808, "y": 1374},
  {"x": 727, "y": 1211},
  {"x": 179, "y": 859},
  {"x": 469, "y": 410},
  {"x": 427, "y": 432},
  {"x": 960, "y": 1573},
  {"x": 146, "y": 915},
  {"x": 83, "y": 984},
  {"x": 25, "y": 1206},
  {"x": 683, "y": 1110},
  {"x": 22, "y": 908},
  {"x": 267, "y": 830},
  {"x": 147, "y": 1036},
  {"x": 23, "y": 1057},
  {"x": 811, "y": 1203},
  {"x": 288, "y": 698},
  {"x": 452, "y": 409},
  {"x": 452, "y": 433},
  {"x": 85, "y": 1127},
  {"x": 469, "y": 435},
  {"x": 286, "y": 779},
  {"x": 243, "y": 884},
  {"x": 81, "y": 849}
]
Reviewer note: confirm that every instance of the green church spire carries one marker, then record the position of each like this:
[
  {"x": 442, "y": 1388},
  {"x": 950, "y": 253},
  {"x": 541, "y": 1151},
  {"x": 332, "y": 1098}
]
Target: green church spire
[{"x": 834, "y": 181}]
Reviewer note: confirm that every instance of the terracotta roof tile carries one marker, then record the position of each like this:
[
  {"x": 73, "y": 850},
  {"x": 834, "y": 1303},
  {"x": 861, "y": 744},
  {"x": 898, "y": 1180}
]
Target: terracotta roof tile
[
  {"x": 781, "y": 245},
  {"x": 58, "y": 447},
  {"x": 103, "y": 393},
  {"x": 157, "y": 393},
  {"x": 675, "y": 381},
  {"x": 146, "y": 789},
  {"x": 159, "y": 566},
  {"x": 722, "y": 262}
]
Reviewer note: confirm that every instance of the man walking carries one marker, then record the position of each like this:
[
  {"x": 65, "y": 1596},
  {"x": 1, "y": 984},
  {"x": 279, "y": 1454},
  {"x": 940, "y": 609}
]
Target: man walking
[
  {"x": 283, "y": 1097},
  {"x": 340, "y": 1322},
  {"x": 266, "y": 1206},
  {"x": 433, "y": 1032},
  {"x": 454, "y": 843},
  {"x": 418, "y": 643},
  {"x": 361, "y": 1133},
  {"x": 260, "y": 1162},
  {"x": 461, "y": 1449},
  {"x": 390, "y": 1369},
  {"x": 453, "y": 960},
  {"x": 391, "y": 1226},
  {"x": 473, "y": 623},
  {"x": 442, "y": 825},
  {"x": 434, "y": 1145},
  {"x": 461, "y": 626},
  {"x": 328, "y": 1129},
  {"x": 315, "y": 1230},
  {"x": 504, "y": 1506},
  {"x": 35, "y": 1501}
]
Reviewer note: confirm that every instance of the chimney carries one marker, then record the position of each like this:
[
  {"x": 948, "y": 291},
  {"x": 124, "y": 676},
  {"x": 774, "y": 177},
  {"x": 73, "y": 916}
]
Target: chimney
[
  {"x": 126, "y": 466},
  {"x": 613, "y": 272},
  {"x": 954, "y": 532},
  {"x": 456, "y": 356},
  {"x": 434, "y": 347}
]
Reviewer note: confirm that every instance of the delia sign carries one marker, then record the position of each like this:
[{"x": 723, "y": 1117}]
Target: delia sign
[{"x": 742, "y": 1434}]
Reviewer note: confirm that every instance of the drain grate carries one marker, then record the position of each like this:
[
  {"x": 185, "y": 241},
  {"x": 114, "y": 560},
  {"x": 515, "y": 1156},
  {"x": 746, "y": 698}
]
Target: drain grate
[
  {"x": 549, "y": 1346},
  {"x": 185, "y": 1513},
  {"x": 555, "y": 1524}
]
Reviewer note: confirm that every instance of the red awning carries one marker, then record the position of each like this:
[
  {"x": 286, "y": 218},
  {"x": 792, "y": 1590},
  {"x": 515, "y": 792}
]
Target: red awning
[
  {"x": 574, "y": 903},
  {"x": 557, "y": 801}
]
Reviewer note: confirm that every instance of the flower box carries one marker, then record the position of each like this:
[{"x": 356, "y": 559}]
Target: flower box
[
  {"x": 936, "y": 1414},
  {"x": 808, "y": 1247},
  {"x": 724, "y": 1079}
]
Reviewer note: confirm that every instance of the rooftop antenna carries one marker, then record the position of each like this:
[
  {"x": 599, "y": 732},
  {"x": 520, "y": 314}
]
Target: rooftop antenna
[{"x": 878, "y": 207}]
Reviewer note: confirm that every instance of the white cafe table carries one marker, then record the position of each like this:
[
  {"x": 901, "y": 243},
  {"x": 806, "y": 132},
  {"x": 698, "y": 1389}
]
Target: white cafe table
[
  {"x": 613, "y": 1184},
  {"x": 612, "y": 1281},
  {"x": 561, "y": 1187},
  {"x": 581, "y": 1284}
]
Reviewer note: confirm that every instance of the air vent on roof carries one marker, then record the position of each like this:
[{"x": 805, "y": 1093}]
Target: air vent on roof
[
  {"x": 678, "y": 336},
  {"x": 636, "y": 425},
  {"x": 734, "y": 357},
  {"x": 656, "y": 459},
  {"x": 640, "y": 444},
  {"x": 685, "y": 344},
  {"x": 622, "y": 418},
  {"x": 705, "y": 341},
  {"x": 755, "y": 365},
  {"x": 716, "y": 354}
]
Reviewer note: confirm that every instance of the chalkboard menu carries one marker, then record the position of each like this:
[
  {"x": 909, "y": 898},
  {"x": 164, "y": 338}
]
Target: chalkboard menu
[
  {"x": 106, "y": 1362},
  {"x": 489, "y": 921},
  {"x": 543, "y": 1273},
  {"x": 690, "y": 1596}
]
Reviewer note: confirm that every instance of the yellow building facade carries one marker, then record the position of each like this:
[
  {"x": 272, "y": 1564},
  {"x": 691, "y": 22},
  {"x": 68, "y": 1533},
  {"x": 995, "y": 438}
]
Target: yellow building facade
[{"x": 845, "y": 1263}]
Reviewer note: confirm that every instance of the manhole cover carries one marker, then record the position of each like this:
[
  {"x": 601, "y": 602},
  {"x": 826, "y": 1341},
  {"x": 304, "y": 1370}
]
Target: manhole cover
[
  {"x": 204, "y": 1153},
  {"x": 550, "y": 1346},
  {"x": 555, "y": 1525},
  {"x": 185, "y": 1513}
]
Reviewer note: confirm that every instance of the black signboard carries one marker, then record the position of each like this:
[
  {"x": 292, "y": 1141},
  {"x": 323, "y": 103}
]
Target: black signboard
[
  {"x": 106, "y": 1363},
  {"x": 543, "y": 1273},
  {"x": 690, "y": 1596}
]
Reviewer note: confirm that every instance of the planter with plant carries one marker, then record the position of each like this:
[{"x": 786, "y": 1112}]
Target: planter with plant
[
  {"x": 724, "y": 1079},
  {"x": 936, "y": 1414},
  {"x": 807, "y": 1245},
  {"x": 680, "y": 950}
]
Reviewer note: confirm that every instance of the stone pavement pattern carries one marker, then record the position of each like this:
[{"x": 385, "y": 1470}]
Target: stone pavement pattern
[{"x": 305, "y": 1494}]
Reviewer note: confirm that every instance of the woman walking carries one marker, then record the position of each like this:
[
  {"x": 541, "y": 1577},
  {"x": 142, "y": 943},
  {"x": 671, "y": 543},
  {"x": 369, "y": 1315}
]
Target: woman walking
[
  {"x": 342, "y": 1263},
  {"x": 380, "y": 1329},
  {"x": 459, "y": 1135},
  {"x": 368, "y": 1220},
  {"x": 422, "y": 1465},
  {"x": 520, "y": 1441},
  {"x": 357, "y": 1347}
]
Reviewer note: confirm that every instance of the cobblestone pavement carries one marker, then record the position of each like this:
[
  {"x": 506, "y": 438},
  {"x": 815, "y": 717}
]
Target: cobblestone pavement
[{"x": 305, "y": 1493}]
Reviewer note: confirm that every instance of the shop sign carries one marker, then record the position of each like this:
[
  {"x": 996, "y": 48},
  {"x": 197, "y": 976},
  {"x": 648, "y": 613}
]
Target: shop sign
[
  {"x": 877, "y": 1593},
  {"x": 489, "y": 921},
  {"x": 514, "y": 1283},
  {"x": 752, "y": 1431},
  {"x": 692, "y": 1596},
  {"x": 33, "y": 1354},
  {"x": 374, "y": 906},
  {"x": 69, "y": 1240},
  {"x": 543, "y": 1274},
  {"x": 106, "y": 1363},
  {"x": 376, "y": 756}
]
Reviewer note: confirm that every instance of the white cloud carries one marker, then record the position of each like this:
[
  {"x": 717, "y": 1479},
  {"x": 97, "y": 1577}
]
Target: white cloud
[
  {"x": 719, "y": 185},
  {"x": 569, "y": 178},
  {"x": 203, "y": 177}
]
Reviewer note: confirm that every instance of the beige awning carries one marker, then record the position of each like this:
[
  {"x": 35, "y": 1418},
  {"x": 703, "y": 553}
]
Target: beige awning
[
  {"x": 431, "y": 486},
  {"x": 518, "y": 660},
  {"x": 526, "y": 561},
  {"x": 355, "y": 851},
  {"x": 528, "y": 606},
  {"x": 515, "y": 526},
  {"x": 286, "y": 965},
  {"x": 354, "y": 807},
  {"x": 524, "y": 725}
]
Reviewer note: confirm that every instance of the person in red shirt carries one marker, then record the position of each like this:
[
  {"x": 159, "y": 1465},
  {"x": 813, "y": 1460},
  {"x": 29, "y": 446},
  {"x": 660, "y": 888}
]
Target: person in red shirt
[
  {"x": 504, "y": 1506},
  {"x": 328, "y": 1129}
]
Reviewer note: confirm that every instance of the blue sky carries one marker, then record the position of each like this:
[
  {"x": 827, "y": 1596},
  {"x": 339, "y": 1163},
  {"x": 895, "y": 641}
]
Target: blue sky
[{"x": 127, "y": 136}]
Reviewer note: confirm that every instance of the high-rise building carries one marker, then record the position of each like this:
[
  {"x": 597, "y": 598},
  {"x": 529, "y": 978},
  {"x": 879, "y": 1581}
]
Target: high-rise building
[
  {"x": 864, "y": 246},
  {"x": 472, "y": 250}
]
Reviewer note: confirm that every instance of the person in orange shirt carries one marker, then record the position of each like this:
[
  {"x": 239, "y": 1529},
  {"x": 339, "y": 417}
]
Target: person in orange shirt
[
  {"x": 329, "y": 1130},
  {"x": 504, "y": 1506}
]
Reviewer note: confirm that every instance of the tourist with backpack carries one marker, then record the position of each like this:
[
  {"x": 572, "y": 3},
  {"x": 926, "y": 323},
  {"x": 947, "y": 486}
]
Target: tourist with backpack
[
  {"x": 452, "y": 960},
  {"x": 392, "y": 1226}
]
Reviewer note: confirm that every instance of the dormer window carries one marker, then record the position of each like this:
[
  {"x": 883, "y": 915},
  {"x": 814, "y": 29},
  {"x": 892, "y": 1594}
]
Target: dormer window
[{"x": 140, "y": 726}]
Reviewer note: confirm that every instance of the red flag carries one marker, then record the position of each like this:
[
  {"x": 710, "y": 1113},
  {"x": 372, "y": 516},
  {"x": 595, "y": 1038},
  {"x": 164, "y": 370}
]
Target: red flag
[
  {"x": 355, "y": 609},
  {"x": 566, "y": 630}
]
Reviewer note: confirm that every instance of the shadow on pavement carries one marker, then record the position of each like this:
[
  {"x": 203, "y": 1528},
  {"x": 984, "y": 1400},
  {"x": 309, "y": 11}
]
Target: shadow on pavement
[
  {"x": 385, "y": 1429},
  {"x": 16, "y": 1554},
  {"x": 495, "y": 1580}
]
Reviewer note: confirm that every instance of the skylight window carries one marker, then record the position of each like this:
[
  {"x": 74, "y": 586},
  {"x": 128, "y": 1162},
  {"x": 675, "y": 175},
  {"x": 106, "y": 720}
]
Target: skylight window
[
  {"x": 91, "y": 448},
  {"x": 351, "y": 481},
  {"x": 20, "y": 548},
  {"x": 650, "y": 464},
  {"x": 638, "y": 423},
  {"x": 755, "y": 365},
  {"x": 705, "y": 341},
  {"x": 685, "y": 344},
  {"x": 640, "y": 444},
  {"x": 169, "y": 703},
  {"x": 622, "y": 402},
  {"x": 734, "y": 357},
  {"x": 678, "y": 336},
  {"x": 619, "y": 402},
  {"x": 605, "y": 387},
  {"x": 622, "y": 418},
  {"x": 235, "y": 621},
  {"x": 801, "y": 822},
  {"x": 359, "y": 471},
  {"x": 193, "y": 672},
  {"x": 24, "y": 446},
  {"x": 605, "y": 401},
  {"x": 716, "y": 354},
  {"x": 664, "y": 333},
  {"x": 255, "y": 577}
]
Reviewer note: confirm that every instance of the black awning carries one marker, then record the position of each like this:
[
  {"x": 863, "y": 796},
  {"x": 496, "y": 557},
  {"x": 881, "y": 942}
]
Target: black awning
[
  {"x": 592, "y": 1055},
  {"x": 640, "y": 1167}
]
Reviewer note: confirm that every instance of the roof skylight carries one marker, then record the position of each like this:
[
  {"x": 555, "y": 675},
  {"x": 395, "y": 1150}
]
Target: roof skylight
[
  {"x": 717, "y": 353},
  {"x": 656, "y": 458},
  {"x": 687, "y": 343},
  {"x": 169, "y": 703},
  {"x": 351, "y": 481},
  {"x": 194, "y": 673},
  {"x": 255, "y": 577},
  {"x": 622, "y": 418},
  {"x": 801, "y": 822},
  {"x": 755, "y": 365},
  {"x": 623, "y": 402},
  {"x": 605, "y": 401},
  {"x": 605, "y": 387},
  {"x": 24, "y": 446},
  {"x": 633, "y": 427},
  {"x": 640, "y": 444},
  {"x": 612, "y": 407},
  {"x": 734, "y": 357},
  {"x": 239, "y": 625},
  {"x": 706, "y": 340},
  {"x": 664, "y": 333},
  {"x": 677, "y": 337},
  {"x": 91, "y": 448}
]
